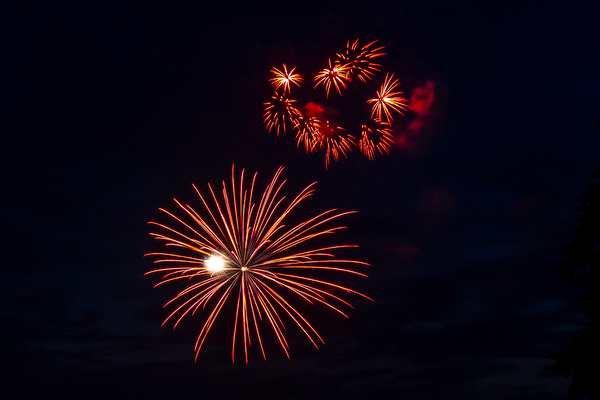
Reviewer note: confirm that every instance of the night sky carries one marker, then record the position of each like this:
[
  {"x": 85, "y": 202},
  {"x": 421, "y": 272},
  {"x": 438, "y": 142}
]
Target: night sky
[{"x": 112, "y": 109}]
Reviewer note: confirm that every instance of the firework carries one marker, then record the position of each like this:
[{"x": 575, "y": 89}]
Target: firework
[
  {"x": 375, "y": 138},
  {"x": 338, "y": 75},
  {"x": 283, "y": 78},
  {"x": 386, "y": 100},
  {"x": 308, "y": 132},
  {"x": 361, "y": 60},
  {"x": 316, "y": 126},
  {"x": 335, "y": 141},
  {"x": 238, "y": 251},
  {"x": 314, "y": 133},
  {"x": 279, "y": 112}
]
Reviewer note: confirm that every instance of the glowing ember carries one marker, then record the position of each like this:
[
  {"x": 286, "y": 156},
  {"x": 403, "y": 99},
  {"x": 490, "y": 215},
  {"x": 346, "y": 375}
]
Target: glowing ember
[{"x": 214, "y": 264}]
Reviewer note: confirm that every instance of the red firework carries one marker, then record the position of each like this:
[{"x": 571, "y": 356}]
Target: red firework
[
  {"x": 378, "y": 138},
  {"x": 361, "y": 60},
  {"x": 338, "y": 75},
  {"x": 316, "y": 127},
  {"x": 308, "y": 132},
  {"x": 280, "y": 112},
  {"x": 283, "y": 78},
  {"x": 335, "y": 140},
  {"x": 238, "y": 250},
  {"x": 387, "y": 100}
]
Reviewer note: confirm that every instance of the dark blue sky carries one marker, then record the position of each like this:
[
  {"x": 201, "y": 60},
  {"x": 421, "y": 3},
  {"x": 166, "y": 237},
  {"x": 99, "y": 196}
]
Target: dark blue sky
[{"x": 111, "y": 110}]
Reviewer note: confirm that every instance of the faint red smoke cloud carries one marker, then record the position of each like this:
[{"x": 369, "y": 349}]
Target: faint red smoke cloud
[
  {"x": 435, "y": 200},
  {"x": 313, "y": 110},
  {"x": 321, "y": 112},
  {"x": 421, "y": 100}
]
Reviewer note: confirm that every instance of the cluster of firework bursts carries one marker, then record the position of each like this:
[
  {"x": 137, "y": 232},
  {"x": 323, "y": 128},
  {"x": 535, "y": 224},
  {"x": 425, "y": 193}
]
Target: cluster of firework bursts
[
  {"x": 237, "y": 251},
  {"x": 239, "y": 254},
  {"x": 314, "y": 127}
]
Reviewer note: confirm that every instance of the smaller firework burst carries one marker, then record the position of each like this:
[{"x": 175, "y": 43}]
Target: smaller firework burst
[
  {"x": 338, "y": 75},
  {"x": 378, "y": 138},
  {"x": 360, "y": 60},
  {"x": 335, "y": 140},
  {"x": 317, "y": 125},
  {"x": 307, "y": 132},
  {"x": 387, "y": 100},
  {"x": 279, "y": 112},
  {"x": 283, "y": 78}
]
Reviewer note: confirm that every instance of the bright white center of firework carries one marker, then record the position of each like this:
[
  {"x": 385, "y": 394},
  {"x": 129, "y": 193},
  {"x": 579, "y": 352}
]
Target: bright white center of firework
[
  {"x": 214, "y": 264},
  {"x": 244, "y": 268}
]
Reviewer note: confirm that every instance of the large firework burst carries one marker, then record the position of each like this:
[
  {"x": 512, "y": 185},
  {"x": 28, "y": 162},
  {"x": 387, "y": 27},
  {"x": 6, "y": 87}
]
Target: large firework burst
[
  {"x": 314, "y": 128},
  {"x": 239, "y": 250}
]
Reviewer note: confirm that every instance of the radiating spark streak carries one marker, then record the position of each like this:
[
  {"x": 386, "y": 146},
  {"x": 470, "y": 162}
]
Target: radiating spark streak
[
  {"x": 295, "y": 235},
  {"x": 202, "y": 295},
  {"x": 386, "y": 100},
  {"x": 337, "y": 74},
  {"x": 328, "y": 284},
  {"x": 307, "y": 292},
  {"x": 260, "y": 267},
  {"x": 288, "y": 309},
  {"x": 211, "y": 319},
  {"x": 275, "y": 324},
  {"x": 255, "y": 310},
  {"x": 375, "y": 139},
  {"x": 283, "y": 78}
]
